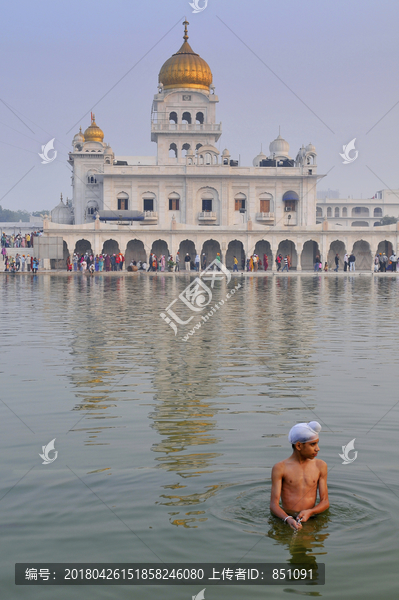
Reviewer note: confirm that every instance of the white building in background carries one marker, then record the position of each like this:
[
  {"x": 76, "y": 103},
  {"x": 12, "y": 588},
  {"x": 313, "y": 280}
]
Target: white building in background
[
  {"x": 359, "y": 213},
  {"x": 190, "y": 197}
]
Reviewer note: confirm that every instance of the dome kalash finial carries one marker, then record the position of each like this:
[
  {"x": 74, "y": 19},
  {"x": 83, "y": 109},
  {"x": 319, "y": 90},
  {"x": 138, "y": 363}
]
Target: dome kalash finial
[
  {"x": 185, "y": 36},
  {"x": 185, "y": 69},
  {"x": 93, "y": 133}
]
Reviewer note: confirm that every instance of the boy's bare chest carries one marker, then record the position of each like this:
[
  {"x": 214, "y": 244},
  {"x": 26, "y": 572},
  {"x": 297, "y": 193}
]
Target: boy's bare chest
[{"x": 295, "y": 476}]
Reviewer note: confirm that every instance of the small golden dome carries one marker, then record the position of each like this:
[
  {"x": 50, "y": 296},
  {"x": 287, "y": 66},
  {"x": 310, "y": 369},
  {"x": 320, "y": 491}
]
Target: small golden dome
[
  {"x": 185, "y": 69},
  {"x": 93, "y": 133}
]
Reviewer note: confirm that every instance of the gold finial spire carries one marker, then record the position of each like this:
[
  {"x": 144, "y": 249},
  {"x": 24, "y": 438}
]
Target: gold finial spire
[{"x": 185, "y": 36}]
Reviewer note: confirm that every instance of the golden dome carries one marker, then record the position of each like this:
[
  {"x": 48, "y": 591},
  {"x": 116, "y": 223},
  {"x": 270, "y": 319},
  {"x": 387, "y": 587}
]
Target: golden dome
[
  {"x": 185, "y": 69},
  {"x": 93, "y": 133}
]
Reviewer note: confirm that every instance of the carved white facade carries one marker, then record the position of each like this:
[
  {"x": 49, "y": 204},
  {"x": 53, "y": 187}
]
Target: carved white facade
[
  {"x": 190, "y": 197},
  {"x": 189, "y": 180}
]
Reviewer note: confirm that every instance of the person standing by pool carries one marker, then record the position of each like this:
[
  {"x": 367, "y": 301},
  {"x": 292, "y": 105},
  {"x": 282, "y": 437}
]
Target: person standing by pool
[
  {"x": 265, "y": 262},
  {"x": 296, "y": 479},
  {"x": 187, "y": 261},
  {"x": 336, "y": 262},
  {"x": 177, "y": 261},
  {"x": 235, "y": 265},
  {"x": 346, "y": 261},
  {"x": 394, "y": 260},
  {"x": 352, "y": 260},
  {"x": 285, "y": 268},
  {"x": 197, "y": 263},
  {"x": 255, "y": 261},
  {"x": 203, "y": 261}
]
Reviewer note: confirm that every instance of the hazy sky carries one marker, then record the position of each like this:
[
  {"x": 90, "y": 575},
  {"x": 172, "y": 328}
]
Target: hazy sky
[{"x": 326, "y": 72}]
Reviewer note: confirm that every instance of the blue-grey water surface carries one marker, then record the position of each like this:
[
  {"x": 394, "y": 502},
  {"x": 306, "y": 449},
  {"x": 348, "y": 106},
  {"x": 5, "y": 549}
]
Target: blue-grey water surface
[{"x": 165, "y": 447}]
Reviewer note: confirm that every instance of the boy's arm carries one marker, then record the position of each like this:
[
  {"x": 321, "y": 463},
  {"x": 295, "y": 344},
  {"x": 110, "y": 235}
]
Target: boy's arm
[
  {"x": 323, "y": 493},
  {"x": 277, "y": 482}
]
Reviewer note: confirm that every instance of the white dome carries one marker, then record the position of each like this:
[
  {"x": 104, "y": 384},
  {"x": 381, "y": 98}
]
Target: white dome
[
  {"x": 79, "y": 138},
  {"x": 225, "y": 152},
  {"x": 62, "y": 214},
  {"x": 108, "y": 150},
  {"x": 310, "y": 148},
  {"x": 257, "y": 159},
  {"x": 279, "y": 147}
]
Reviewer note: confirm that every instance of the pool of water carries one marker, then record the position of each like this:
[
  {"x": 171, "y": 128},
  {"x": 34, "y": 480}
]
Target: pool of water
[{"x": 165, "y": 446}]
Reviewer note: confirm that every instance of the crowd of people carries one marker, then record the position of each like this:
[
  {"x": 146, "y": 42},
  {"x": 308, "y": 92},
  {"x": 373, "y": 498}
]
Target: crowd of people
[
  {"x": 160, "y": 263},
  {"x": 382, "y": 263},
  {"x": 19, "y": 263},
  {"x": 97, "y": 263},
  {"x": 115, "y": 262},
  {"x": 18, "y": 240}
]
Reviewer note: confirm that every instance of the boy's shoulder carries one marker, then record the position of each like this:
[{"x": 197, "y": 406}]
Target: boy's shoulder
[
  {"x": 321, "y": 465},
  {"x": 280, "y": 466}
]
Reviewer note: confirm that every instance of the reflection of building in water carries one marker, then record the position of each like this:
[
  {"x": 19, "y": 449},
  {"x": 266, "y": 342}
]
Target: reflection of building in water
[
  {"x": 96, "y": 348},
  {"x": 185, "y": 418},
  {"x": 275, "y": 311}
]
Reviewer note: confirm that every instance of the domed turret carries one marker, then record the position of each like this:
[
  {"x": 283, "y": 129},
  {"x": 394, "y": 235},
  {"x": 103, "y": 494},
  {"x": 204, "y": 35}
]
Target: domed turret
[
  {"x": 279, "y": 147},
  {"x": 79, "y": 138},
  {"x": 310, "y": 148},
  {"x": 256, "y": 161},
  {"x": 94, "y": 133},
  {"x": 62, "y": 214},
  {"x": 185, "y": 69}
]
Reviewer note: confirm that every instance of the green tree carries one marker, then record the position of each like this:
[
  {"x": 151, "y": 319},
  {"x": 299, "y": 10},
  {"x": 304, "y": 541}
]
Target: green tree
[
  {"x": 387, "y": 220},
  {"x": 8, "y": 216}
]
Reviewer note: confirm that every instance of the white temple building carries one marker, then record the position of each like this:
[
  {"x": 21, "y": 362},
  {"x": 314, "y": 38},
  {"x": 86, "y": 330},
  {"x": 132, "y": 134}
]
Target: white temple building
[{"x": 190, "y": 197}]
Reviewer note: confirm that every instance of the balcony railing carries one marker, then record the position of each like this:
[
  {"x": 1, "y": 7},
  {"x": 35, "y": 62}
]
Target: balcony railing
[
  {"x": 150, "y": 215},
  {"x": 207, "y": 216},
  {"x": 265, "y": 216},
  {"x": 186, "y": 127}
]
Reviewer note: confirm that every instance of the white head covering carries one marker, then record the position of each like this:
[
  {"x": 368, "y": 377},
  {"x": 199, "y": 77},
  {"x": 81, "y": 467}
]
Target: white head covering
[{"x": 304, "y": 432}]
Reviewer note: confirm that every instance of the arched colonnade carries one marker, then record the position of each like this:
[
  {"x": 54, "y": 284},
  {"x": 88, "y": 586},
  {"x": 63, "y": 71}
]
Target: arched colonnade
[{"x": 302, "y": 249}]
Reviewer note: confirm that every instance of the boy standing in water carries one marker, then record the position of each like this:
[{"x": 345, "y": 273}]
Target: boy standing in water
[{"x": 297, "y": 478}]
